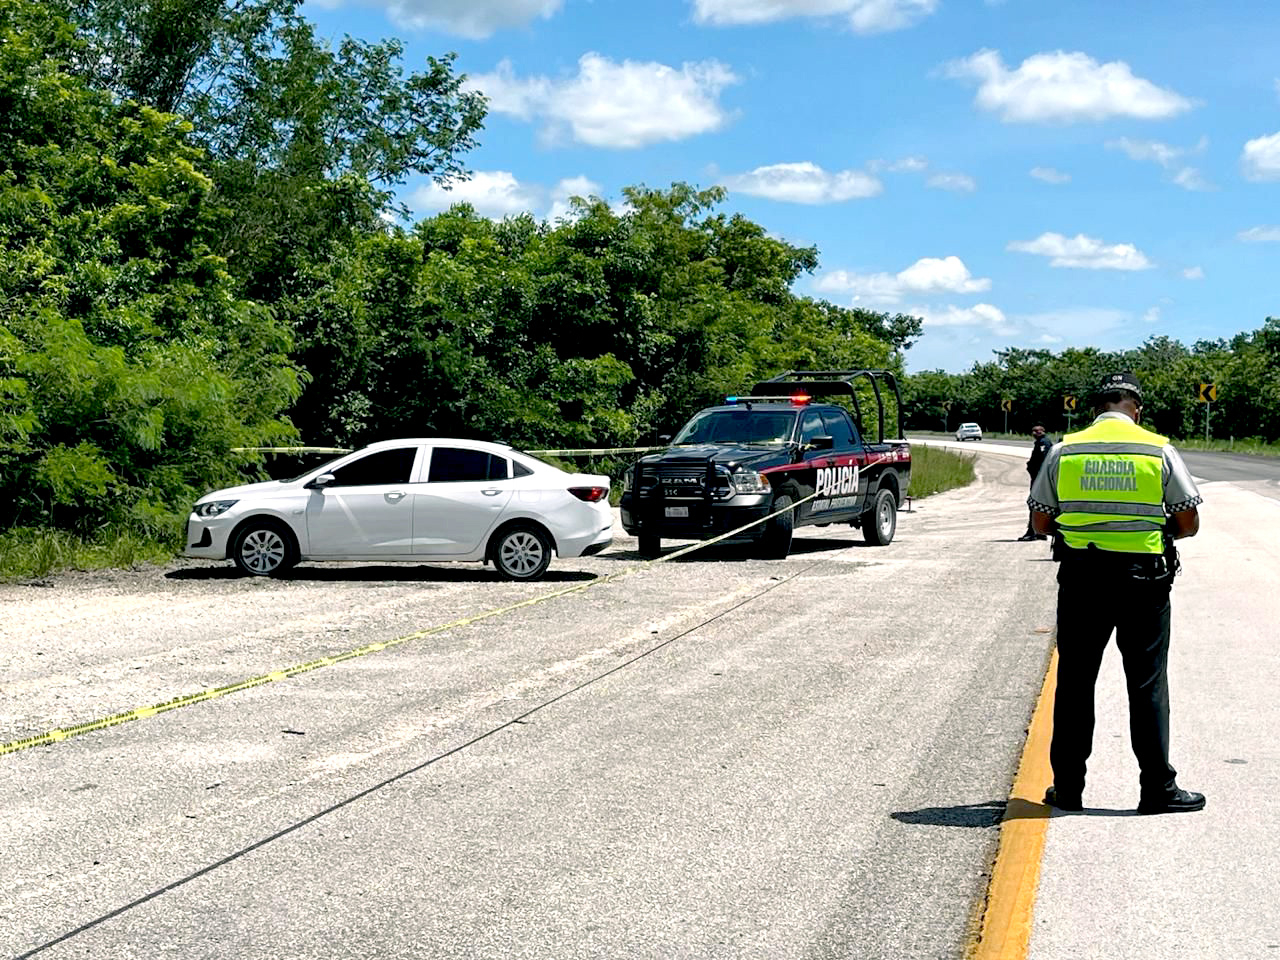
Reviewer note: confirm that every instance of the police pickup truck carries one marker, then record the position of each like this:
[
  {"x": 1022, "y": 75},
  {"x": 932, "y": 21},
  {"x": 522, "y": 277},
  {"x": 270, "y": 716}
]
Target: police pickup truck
[{"x": 758, "y": 454}]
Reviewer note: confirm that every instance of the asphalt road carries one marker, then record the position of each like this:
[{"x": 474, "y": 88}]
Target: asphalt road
[
  {"x": 1234, "y": 467},
  {"x": 711, "y": 757}
]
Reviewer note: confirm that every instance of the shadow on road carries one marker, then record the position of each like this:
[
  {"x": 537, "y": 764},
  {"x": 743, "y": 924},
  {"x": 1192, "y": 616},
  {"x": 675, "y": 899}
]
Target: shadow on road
[
  {"x": 738, "y": 552},
  {"x": 994, "y": 812},
  {"x": 388, "y": 572}
]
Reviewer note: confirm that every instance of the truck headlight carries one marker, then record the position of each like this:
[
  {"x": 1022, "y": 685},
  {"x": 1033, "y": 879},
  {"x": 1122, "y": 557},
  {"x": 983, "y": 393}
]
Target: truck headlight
[
  {"x": 214, "y": 508},
  {"x": 750, "y": 481}
]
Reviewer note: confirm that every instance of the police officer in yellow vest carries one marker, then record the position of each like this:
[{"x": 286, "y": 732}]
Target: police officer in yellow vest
[{"x": 1116, "y": 496}]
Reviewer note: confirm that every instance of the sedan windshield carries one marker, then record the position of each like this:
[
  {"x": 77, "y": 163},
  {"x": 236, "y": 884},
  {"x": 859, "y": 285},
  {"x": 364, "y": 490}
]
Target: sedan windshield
[{"x": 739, "y": 426}]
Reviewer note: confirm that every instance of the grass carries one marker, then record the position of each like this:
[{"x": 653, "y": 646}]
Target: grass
[
  {"x": 28, "y": 553},
  {"x": 934, "y": 470},
  {"x": 1251, "y": 445}
]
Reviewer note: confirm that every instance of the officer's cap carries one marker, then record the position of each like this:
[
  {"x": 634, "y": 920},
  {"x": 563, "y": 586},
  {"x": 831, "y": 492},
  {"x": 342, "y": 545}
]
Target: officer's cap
[{"x": 1124, "y": 380}]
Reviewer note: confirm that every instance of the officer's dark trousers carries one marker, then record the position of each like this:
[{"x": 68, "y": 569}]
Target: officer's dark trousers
[{"x": 1090, "y": 607}]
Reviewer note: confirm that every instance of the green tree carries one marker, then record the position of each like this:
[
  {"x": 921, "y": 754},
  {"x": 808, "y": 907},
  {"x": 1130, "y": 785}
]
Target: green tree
[
  {"x": 127, "y": 366},
  {"x": 305, "y": 143}
]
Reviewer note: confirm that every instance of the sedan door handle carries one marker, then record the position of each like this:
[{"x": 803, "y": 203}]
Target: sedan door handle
[
  {"x": 395, "y": 495},
  {"x": 491, "y": 493}
]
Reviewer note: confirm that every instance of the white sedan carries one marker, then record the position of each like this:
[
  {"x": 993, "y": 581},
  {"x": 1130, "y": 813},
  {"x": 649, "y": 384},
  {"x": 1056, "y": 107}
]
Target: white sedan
[{"x": 409, "y": 500}]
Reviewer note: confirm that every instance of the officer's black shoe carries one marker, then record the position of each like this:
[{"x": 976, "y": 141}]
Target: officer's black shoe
[
  {"x": 1042, "y": 536},
  {"x": 1180, "y": 801},
  {"x": 1063, "y": 801},
  {"x": 1028, "y": 536}
]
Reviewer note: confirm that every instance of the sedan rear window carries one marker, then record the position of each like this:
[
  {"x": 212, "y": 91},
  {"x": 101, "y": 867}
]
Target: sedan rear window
[{"x": 458, "y": 465}]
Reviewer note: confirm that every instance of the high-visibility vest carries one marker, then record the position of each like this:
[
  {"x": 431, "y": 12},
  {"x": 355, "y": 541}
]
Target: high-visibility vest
[{"x": 1111, "y": 488}]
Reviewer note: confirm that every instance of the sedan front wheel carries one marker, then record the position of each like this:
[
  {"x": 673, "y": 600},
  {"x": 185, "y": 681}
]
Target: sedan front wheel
[{"x": 264, "y": 549}]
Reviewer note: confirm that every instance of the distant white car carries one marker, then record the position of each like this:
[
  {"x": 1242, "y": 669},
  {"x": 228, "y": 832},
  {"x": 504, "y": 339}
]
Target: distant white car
[
  {"x": 409, "y": 500},
  {"x": 969, "y": 431}
]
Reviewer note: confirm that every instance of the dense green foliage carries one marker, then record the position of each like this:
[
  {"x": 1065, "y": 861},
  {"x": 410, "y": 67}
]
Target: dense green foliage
[
  {"x": 127, "y": 362},
  {"x": 1245, "y": 370},
  {"x": 601, "y": 330}
]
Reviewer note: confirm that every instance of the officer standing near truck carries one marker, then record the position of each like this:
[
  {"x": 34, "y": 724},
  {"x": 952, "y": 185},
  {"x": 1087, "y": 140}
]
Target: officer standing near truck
[
  {"x": 1117, "y": 496},
  {"x": 1040, "y": 445}
]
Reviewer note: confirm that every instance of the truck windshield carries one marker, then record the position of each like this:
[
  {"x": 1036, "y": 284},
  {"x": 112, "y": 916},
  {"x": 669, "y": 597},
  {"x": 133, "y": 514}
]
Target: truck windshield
[{"x": 739, "y": 426}]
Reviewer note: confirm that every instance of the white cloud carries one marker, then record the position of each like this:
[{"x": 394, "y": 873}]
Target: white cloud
[
  {"x": 804, "y": 183},
  {"x": 1079, "y": 325},
  {"x": 909, "y": 165},
  {"x": 958, "y": 182},
  {"x": 863, "y": 16},
  {"x": 913, "y": 164},
  {"x": 617, "y": 105},
  {"x": 1152, "y": 315},
  {"x": 1167, "y": 156},
  {"x": 1189, "y": 178},
  {"x": 566, "y": 189},
  {"x": 1064, "y": 87},
  {"x": 1193, "y": 273},
  {"x": 1050, "y": 175},
  {"x": 1084, "y": 252},
  {"x": 1261, "y": 158},
  {"x": 498, "y": 194},
  {"x": 1259, "y": 235},
  {"x": 476, "y": 19},
  {"x": 493, "y": 193},
  {"x": 983, "y": 315},
  {"x": 929, "y": 275}
]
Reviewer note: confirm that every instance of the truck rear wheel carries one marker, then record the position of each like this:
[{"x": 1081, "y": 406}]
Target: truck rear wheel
[
  {"x": 775, "y": 544},
  {"x": 881, "y": 521}
]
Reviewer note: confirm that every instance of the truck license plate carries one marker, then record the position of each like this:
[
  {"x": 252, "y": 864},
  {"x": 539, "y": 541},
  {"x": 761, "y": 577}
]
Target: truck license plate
[{"x": 677, "y": 511}]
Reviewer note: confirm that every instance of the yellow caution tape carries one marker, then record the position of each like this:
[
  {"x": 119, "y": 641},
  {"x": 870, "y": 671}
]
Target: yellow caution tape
[
  {"x": 64, "y": 733},
  {"x": 584, "y": 452},
  {"x": 593, "y": 452},
  {"x": 290, "y": 450}
]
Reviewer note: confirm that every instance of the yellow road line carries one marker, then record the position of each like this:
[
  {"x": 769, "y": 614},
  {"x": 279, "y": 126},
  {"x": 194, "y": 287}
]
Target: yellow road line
[
  {"x": 1005, "y": 929},
  {"x": 140, "y": 713}
]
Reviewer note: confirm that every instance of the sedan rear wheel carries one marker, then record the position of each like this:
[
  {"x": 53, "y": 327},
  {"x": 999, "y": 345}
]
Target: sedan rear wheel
[{"x": 521, "y": 553}]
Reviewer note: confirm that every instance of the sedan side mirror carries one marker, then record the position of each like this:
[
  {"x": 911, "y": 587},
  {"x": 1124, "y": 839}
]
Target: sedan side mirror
[
  {"x": 664, "y": 438},
  {"x": 320, "y": 482}
]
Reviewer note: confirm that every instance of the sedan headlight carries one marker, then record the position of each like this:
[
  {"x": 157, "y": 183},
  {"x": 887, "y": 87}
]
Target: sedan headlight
[
  {"x": 750, "y": 481},
  {"x": 214, "y": 508}
]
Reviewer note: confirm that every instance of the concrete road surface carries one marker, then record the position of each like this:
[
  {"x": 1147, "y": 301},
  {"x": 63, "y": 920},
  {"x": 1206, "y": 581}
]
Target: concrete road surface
[{"x": 711, "y": 757}]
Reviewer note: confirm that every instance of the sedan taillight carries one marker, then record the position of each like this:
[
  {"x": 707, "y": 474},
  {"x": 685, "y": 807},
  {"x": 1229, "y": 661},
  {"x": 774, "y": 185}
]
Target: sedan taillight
[{"x": 590, "y": 494}]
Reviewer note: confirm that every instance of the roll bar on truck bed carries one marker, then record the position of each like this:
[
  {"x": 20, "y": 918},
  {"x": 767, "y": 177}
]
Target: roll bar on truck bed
[{"x": 836, "y": 383}]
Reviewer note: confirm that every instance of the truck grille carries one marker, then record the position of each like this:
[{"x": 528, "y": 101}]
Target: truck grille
[{"x": 681, "y": 480}]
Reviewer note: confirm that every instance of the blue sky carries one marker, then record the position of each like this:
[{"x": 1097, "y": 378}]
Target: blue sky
[{"x": 1020, "y": 173}]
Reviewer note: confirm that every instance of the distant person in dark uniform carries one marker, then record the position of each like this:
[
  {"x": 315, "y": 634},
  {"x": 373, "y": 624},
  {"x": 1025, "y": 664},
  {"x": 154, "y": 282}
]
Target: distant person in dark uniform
[
  {"x": 1117, "y": 496},
  {"x": 1039, "y": 449}
]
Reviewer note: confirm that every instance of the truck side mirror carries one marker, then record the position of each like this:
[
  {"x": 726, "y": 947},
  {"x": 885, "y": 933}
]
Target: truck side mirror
[{"x": 823, "y": 442}]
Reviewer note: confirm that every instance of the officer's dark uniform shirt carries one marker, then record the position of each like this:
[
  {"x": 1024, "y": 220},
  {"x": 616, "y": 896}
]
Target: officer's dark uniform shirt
[
  {"x": 1039, "y": 450},
  {"x": 1180, "y": 491}
]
